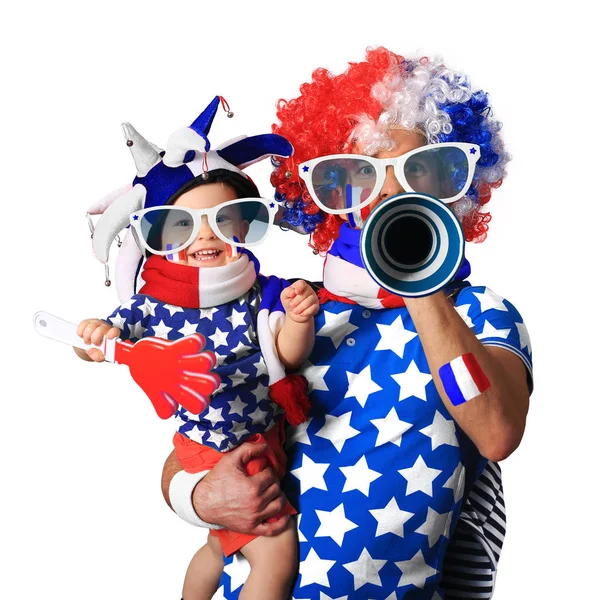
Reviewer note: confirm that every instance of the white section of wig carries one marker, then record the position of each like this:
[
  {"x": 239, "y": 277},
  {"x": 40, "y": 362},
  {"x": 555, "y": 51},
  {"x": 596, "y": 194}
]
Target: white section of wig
[{"x": 411, "y": 100}]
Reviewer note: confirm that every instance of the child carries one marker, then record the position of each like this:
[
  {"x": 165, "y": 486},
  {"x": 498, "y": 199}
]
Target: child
[{"x": 197, "y": 280}]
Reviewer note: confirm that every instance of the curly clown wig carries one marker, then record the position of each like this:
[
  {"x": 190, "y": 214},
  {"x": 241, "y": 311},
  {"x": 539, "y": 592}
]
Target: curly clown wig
[{"x": 385, "y": 92}]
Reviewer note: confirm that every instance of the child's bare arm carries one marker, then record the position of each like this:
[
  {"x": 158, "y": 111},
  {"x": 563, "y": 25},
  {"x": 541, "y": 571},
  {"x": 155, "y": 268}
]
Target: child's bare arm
[
  {"x": 93, "y": 331},
  {"x": 297, "y": 336}
]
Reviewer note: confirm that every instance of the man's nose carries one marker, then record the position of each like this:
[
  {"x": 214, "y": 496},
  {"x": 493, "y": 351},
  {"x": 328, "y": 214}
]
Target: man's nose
[
  {"x": 391, "y": 186},
  {"x": 205, "y": 232}
]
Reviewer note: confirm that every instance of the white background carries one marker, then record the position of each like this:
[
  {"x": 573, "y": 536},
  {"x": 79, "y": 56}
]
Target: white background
[{"x": 81, "y": 449}]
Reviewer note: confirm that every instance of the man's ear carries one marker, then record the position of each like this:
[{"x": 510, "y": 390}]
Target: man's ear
[{"x": 244, "y": 228}]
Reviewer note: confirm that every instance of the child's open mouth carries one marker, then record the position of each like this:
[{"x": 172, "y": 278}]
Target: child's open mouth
[{"x": 207, "y": 255}]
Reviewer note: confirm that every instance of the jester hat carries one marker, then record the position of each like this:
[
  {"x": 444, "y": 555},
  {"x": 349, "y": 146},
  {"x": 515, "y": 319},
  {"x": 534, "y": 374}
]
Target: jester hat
[{"x": 160, "y": 174}]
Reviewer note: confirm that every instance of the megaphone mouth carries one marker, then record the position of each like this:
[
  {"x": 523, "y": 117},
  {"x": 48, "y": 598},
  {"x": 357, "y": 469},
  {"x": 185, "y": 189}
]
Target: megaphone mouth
[
  {"x": 412, "y": 244},
  {"x": 407, "y": 241}
]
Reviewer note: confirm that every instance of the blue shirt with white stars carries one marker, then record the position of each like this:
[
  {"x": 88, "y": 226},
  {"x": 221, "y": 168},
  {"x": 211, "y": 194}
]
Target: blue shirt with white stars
[
  {"x": 379, "y": 471},
  {"x": 241, "y": 406}
]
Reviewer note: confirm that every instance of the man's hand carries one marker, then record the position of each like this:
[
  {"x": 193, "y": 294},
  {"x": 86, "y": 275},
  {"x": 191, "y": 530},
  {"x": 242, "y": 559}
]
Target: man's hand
[{"x": 227, "y": 496}]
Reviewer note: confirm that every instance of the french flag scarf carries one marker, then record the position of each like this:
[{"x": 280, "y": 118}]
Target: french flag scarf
[
  {"x": 193, "y": 287},
  {"x": 345, "y": 278}
]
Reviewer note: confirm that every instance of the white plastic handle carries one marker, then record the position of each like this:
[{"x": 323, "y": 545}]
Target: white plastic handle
[{"x": 58, "y": 329}]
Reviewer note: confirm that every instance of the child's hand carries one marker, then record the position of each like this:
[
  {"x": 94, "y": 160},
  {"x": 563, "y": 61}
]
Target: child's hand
[
  {"x": 300, "y": 302},
  {"x": 93, "y": 331}
]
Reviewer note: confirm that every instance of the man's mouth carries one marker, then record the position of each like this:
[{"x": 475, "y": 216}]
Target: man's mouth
[{"x": 206, "y": 255}]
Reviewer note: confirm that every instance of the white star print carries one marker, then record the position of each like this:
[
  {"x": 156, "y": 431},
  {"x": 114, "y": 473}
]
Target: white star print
[
  {"x": 462, "y": 310},
  {"x": 412, "y": 382},
  {"x": 148, "y": 307},
  {"x": 188, "y": 329},
  {"x": 239, "y": 429},
  {"x": 214, "y": 415},
  {"x": 207, "y": 313},
  {"x": 315, "y": 375},
  {"x": 161, "y": 330},
  {"x": 524, "y": 340},
  {"x": 127, "y": 305},
  {"x": 173, "y": 309},
  {"x": 261, "y": 392},
  {"x": 258, "y": 416},
  {"x": 237, "y": 378},
  {"x": 137, "y": 331},
  {"x": 219, "y": 338},
  {"x": 415, "y": 571},
  {"x": 310, "y": 475},
  {"x": 261, "y": 367},
  {"x": 337, "y": 326},
  {"x": 334, "y": 524},
  {"x": 441, "y": 431},
  {"x": 323, "y": 596},
  {"x": 337, "y": 430},
  {"x": 314, "y": 570},
  {"x": 215, "y": 436},
  {"x": 359, "y": 477},
  {"x": 241, "y": 350},
  {"x": 118, "y": 321},
  {"x": 238, "y": 571},
  {"x": 390, "y": 428},
  {"x": 220, "y": 594},
  {"x": 301, "y": 536},
  {"x": 435, "y": 526},
  {"x": 365, "y": 569},
  {"x": 456, "y": 482},
  {"x": 298, "y": 435},
  {"x": 489, "y": 331},
  {"x": 490, "y": 300},
  {"x": 361, "y": 386},
  {"x": 419, "y": 477},
  {"x": 391, "y": 519},
  {"x": 394, "y": 337},
  {"x": 221, "y": 358},
  {"x": 195, "y": 434},
  {"x": 237, "y": 406},
  {"x": 236, "y": 318}
]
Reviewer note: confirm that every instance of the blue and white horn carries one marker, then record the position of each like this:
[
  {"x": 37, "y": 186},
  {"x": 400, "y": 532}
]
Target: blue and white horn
[{"x": 412, "y": 244}]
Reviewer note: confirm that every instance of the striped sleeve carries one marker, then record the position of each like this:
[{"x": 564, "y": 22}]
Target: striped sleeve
[{"x": 471, "y": 560}]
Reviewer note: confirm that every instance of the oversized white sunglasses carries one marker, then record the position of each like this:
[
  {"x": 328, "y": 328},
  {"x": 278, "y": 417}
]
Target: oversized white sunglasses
[
  {"x": 164, "y": 229},
  {"x": 343, "y": 183}
]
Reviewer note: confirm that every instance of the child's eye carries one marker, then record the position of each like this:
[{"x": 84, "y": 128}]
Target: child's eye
[
  {"x": 366, "y": 171},
  {"x": 183, "y": 223},
  {"x": 223, "y": 218},
  {"x": 415, "y": 169}
]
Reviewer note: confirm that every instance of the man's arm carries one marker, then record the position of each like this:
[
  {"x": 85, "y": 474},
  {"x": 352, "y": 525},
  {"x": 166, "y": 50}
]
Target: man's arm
[
  {"x": 494, "y": 420},
  {"x": 228, "y": 497}
]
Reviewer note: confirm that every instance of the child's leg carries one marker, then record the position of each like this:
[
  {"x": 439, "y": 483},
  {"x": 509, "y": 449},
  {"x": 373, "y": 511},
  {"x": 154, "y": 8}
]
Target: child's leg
[
  {"x": 203, "y": 574},
  {"x": 274, "y": 565}
]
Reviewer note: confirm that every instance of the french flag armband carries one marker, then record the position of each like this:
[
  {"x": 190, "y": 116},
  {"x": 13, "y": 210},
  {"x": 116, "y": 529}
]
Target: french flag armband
[{"x": 463, "y": 379}]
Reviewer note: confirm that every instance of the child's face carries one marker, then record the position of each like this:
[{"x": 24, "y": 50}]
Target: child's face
[{"x": 208, "y": 250}]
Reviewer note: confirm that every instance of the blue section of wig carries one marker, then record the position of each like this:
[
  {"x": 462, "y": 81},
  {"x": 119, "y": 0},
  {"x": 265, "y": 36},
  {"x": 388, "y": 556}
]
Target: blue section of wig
[
  {"x": 295, "y": 216},
  {"x": 469, "y": 125},
  {"x": 162, "y": 182}
]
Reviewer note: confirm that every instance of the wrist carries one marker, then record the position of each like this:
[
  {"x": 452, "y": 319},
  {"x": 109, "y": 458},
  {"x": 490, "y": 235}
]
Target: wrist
[{"x": 183, "y": 490}]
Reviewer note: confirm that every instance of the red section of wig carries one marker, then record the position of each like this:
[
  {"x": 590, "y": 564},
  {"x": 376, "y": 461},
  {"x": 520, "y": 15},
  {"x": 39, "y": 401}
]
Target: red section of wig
[{"x": 320, "y": 121}]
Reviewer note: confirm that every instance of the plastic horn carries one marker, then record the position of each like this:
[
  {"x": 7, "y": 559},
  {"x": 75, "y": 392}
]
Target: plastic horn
[{"x": 412, "y": 244}]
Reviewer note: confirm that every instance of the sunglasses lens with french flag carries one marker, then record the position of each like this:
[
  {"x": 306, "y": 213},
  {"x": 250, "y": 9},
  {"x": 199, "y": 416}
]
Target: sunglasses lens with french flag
[
  {"x": 343, "y": 183},
  {"x": 166, "y": 228}
]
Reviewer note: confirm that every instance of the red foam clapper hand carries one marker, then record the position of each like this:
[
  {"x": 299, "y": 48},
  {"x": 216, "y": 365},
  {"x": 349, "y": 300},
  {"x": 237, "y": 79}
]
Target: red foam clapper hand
[{"x": 171, "y": 373}]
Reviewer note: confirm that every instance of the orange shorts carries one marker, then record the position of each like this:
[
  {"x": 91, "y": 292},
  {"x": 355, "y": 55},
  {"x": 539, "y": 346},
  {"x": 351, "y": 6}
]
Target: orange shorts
[{"x": 195, "y": 457}]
